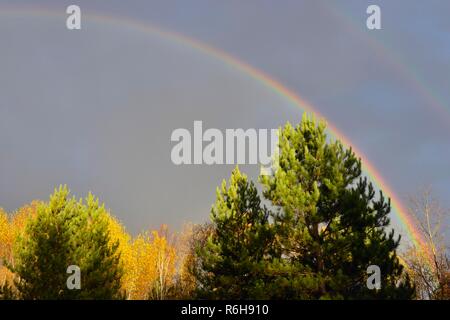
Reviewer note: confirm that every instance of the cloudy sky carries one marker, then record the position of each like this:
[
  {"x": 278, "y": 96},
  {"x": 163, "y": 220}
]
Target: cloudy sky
[{"x": 95, "y": 108}]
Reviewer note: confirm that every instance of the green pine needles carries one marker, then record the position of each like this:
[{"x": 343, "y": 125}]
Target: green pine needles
[
  {"x": 325, "y": 227},
  {"x": 236, "y": 253},
  {"x": 67, "y": 232}
]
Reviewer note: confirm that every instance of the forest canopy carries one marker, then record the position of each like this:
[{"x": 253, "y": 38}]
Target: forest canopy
[{"x": 323, "y": 226}]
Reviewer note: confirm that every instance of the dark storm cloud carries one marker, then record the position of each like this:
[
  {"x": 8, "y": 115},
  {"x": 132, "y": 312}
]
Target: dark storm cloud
[{"x": 96, "y": 108}]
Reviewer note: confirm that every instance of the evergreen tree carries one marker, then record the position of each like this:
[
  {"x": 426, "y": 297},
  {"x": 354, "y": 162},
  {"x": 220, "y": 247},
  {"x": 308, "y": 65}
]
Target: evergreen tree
[
  {"x": 67, "y": 232},
  {"x": 100, "y": 261},
  {"x": 329, "y": 223},
  {"x": 233, "y": 259}
]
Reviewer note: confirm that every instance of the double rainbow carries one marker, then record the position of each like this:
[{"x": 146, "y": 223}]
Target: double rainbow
[{"x": 398, "y": 208}]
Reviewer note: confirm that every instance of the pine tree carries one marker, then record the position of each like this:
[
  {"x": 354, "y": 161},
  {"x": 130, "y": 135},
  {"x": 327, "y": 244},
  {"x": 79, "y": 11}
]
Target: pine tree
[
  {"x": 99, "y": 259},
  {"x": 232, "y": 262},
  {"x": 67, "y": 232},
  {"x": 329, "y": 223}
]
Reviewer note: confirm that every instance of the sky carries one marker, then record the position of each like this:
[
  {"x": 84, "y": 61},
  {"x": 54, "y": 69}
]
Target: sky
[{"x": 95, "y": 108}]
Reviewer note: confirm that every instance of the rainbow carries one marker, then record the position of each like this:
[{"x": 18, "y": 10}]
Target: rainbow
[
  {"x": 392, "y": 59},
  {"x": 270, "y": 83}
]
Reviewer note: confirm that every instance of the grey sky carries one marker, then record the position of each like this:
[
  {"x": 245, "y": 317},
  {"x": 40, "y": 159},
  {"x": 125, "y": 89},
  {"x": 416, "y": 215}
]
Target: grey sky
[{"x": 95, "y": 108}]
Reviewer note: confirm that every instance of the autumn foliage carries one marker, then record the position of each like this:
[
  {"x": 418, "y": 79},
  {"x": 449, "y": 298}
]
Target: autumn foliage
[
  {"x": 324, "y": 226},
  {"x": 149, "y": 260},
  {"x": 11, "y": 226}
]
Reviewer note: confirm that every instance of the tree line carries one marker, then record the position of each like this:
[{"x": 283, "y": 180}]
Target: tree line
[{"x": 311, "y": 234}]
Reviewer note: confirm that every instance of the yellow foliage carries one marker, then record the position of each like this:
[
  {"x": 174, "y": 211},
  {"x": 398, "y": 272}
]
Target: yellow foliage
[
  {"x": 20, "y": 217},
  {"x": 119, "y": 234},
  {"x": 164, "y": 256},
  {"x": 149, "y": 261},
  {"x": 4, "y": 232},
  {"x": 10, "y": 228},
  {"x": 5, "y": 240},
  {"x": 141, "y": 268},
  {"x": 152, "y": 267}
]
